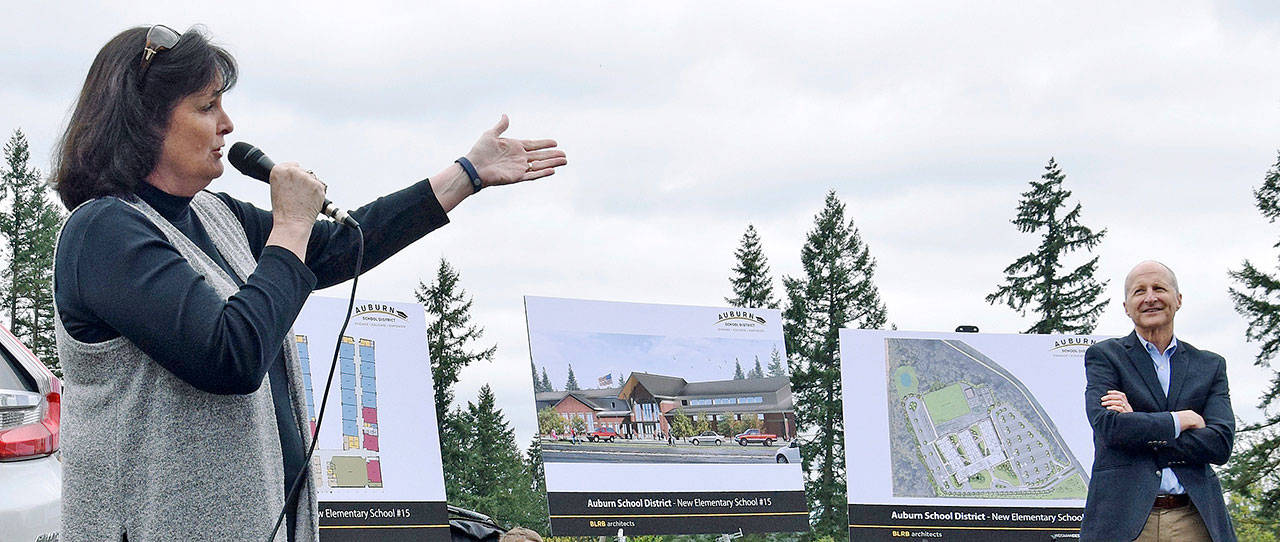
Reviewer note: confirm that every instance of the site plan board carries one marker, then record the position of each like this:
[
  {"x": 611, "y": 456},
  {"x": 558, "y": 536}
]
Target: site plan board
[{"x": 979, "y": 436}]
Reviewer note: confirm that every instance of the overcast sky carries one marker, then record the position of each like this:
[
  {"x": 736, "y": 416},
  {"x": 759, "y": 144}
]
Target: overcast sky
[{"x": 685, "y": 121}]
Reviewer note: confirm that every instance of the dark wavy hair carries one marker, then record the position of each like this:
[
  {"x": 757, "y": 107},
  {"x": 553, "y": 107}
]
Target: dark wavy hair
[{"x": 115, "y": 134}]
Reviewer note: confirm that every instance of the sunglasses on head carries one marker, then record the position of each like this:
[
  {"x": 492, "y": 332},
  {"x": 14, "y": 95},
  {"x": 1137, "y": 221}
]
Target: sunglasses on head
[{"x": 160, "y": 38}]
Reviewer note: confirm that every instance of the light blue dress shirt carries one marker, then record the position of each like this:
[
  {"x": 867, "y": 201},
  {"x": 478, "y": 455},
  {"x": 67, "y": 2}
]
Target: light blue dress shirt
[{"x": 1168, "y": 480}]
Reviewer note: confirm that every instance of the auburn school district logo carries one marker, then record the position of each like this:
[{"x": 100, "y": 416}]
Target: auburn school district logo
[
  {"x": 739, "y": 319},
  {"x": 376, "y": 309},
  {"x": 1072, "y": 343}
]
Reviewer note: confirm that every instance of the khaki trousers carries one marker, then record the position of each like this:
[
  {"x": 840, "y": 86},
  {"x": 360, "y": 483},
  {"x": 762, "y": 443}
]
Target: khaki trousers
[{"x": 1182, "y": 524}]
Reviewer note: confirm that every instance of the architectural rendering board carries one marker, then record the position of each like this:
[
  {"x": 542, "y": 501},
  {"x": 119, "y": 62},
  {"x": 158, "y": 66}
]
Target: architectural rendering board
[
  {"x": 377, "y": 465},
  {"x": 978, "y": 436},
  {"x": 664, "y": 419}
]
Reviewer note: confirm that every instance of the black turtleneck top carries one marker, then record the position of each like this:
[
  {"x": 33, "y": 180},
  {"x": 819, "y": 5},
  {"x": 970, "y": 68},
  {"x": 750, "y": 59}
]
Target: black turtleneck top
[{"x": 117, "y": 274}]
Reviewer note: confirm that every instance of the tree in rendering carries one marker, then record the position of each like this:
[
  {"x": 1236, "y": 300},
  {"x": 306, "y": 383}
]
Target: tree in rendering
[
  {"x": 776, "y": 365},
  {"x": 757, "y": 371},
  {"x": 737, "y": 370},
  {"x": 571, "y": 384},
  {"x": 1064, "y": 302},
  {"x": 836, "y": 290},
  {"x": 750, "y": 279}
]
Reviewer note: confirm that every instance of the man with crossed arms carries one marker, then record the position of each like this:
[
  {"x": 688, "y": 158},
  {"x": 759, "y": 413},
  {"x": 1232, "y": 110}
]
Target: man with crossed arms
[{"x": 1161, "y": 413}]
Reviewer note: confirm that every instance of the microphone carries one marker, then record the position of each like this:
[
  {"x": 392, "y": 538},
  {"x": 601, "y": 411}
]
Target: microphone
[{"x": 251, "y": 161}]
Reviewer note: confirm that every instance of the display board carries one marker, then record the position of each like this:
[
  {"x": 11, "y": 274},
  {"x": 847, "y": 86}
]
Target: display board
[
  {"x": 965, "y": 436},
  {"x": 664, "y": 419},
  {"x": 379, "y": 472}
]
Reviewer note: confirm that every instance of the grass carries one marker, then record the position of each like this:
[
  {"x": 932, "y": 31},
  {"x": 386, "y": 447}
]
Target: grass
[
  {"x": 981, "y": 480},
  {"x": 947, "y": 403},
  {"x": 905, "y": 380},
  {"x": 1004, "y": 471}
]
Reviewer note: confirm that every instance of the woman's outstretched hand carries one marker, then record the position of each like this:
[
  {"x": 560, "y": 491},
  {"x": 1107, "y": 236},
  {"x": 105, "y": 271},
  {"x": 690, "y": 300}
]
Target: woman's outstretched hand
[{"x": 501, "y": 160}]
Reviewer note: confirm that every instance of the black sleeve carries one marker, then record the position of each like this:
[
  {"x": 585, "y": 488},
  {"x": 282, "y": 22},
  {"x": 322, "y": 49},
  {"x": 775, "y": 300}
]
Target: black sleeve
[
  {"x": 389, "y": 223},
  {"x": 117, "y": 274}
]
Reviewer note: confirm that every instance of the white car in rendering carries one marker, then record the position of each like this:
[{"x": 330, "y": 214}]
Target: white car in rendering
[
  {"x": 707, "y": 437},
  {"x": 30, "y": 470},
  {"x": 789, "y": 453}
]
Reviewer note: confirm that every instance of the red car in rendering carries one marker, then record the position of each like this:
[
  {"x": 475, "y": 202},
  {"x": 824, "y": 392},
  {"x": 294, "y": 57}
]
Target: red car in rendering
[{"x": 755, "y": 435}]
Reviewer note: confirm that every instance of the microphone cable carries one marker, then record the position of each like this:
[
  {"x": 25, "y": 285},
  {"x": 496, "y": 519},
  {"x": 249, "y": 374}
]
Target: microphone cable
[{"x": 333, "y": 368}]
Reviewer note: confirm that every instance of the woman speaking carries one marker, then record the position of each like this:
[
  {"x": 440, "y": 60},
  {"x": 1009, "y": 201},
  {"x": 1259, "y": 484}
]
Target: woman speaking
[{"x": 183, "y": 417}]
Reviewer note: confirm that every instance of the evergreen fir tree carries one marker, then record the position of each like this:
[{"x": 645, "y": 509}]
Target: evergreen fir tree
[
  {"x": 537, "y": 383},
  {"x": 1063, "y": 302},
  {"x": 837, "y": 290},
  {"x": 546, "y": 382},
  {"x": 751, "y": 282},
  {"x": 757, "y": 371},
  {"x": 1254, "y": 470},
  {"x": 449, "y": 333},
  {"x": 537, "y": 475},
  {"x": 29, "y": 226},
  {"x": 494, "y": 480},
  {"x": 571, "y": 384},
  {"x": 737, "y": 370},
  {"x": 776, "y": 367}
]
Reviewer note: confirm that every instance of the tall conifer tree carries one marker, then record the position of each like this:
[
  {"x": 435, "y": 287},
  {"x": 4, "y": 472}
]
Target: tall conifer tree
[
  {"x": 546, "y": 382},
  {"x": 450, "y": 333},
  {"x": 757, "y": 371},
  {"x": 29, "y": 226},
  {"x": 837, "y": 290},
  {"x": 737, "y": 370},
  {"x": 1063, "y": 302},
  {"x": 776, "y": 367},
  {"x": 450, "y": 338},
  {"x": 1254, "y": 471},
  {"x": 494, "y": 479},
  {"x": 571, "y": 383},
  {"x": 752, "y": 284}
]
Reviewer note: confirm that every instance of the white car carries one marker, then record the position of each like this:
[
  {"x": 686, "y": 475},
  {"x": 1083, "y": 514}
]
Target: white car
[
  {"x": 789, "y": 453},
  {"x": 30, "y": 470},
  {"x": 708, "y": 437}
]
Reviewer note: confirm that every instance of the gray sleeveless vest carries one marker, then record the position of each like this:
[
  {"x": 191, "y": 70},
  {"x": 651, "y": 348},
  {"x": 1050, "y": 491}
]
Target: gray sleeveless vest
[{"x": 148, "y": 455}]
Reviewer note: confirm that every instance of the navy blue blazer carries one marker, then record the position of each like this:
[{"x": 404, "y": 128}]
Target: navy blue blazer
[{"x": 1130, "y": 449}]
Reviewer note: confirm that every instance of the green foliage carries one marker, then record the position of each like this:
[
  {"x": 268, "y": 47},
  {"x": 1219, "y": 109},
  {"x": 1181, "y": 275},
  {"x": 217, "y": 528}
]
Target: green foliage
[
  {"x": 837, "y": 290},
  {"x": 752, "y": 285},
  {"x": 579, "y": 424},
  {"x": 571, "y": 384},
  {"x": 1064, "y": 303},
  {"x": 737, "y": 370},
  {"x": 494, "y": 479},
  {"x": 776, "y": 367},
  {"x": 681, "y": 425},
  {"x": 549, "y": 420},
  {"x": 1254, "y": 470},
  {"x": 546, "y": 382},
  {"x": 701, "y": 425},
  {"x": 1250, "y": 525},
  {"x": 449, "y": 333},
  {"x": 757, "y": 371},
  {"x": 29, "y": 227}
]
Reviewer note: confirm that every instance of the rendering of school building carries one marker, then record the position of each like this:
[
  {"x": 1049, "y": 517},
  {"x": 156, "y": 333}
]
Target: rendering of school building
[{"x": 644, "y": 405}]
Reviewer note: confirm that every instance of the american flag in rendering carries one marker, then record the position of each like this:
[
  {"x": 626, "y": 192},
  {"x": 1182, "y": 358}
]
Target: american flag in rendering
[{"x": 605, "y": 381}]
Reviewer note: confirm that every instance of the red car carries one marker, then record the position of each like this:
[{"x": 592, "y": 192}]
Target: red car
[
  {"x": 754, "y": 435},
  {"x": 603, "y": 433}
]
